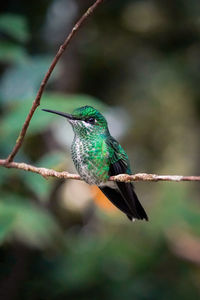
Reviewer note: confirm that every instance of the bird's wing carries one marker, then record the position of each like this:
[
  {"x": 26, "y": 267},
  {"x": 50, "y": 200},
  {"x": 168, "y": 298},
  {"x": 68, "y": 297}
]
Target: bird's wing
[{"x": 125, "y": 199}]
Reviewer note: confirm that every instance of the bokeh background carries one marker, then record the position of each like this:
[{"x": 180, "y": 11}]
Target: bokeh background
[{"x": 139, "y": 63}]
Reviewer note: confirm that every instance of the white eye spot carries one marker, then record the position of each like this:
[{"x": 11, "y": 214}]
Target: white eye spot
[{"x": 87, "y": 124}]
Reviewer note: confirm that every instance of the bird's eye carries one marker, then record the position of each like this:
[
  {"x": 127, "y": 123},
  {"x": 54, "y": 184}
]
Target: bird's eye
[{"x": 90, "y": 120}]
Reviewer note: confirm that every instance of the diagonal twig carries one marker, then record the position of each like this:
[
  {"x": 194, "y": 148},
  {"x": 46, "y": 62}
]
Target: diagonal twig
[
  {"x": 36, "y": 102},
  {"x": 122, "y": 177}
]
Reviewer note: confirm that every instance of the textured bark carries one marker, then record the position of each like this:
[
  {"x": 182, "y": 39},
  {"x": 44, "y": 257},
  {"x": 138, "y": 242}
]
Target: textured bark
[{"x": 122, "y": 177}]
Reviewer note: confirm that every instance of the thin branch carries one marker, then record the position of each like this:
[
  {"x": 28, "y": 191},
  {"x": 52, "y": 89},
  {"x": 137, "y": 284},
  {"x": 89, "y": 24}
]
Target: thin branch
[
  {"x": 36, "y": 102},
  {"x": 122, "y": 177}
]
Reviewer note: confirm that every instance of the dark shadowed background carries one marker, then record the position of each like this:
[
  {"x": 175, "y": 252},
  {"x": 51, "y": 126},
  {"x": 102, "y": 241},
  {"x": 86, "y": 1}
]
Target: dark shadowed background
[{"x": 139, "y": 63}]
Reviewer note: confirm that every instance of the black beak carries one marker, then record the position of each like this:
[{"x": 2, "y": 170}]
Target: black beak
[{"x": 68, "y": 116}]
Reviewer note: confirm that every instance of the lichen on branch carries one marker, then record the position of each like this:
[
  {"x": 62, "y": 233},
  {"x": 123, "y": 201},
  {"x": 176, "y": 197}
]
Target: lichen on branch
[{"x": 121, "y": 177}]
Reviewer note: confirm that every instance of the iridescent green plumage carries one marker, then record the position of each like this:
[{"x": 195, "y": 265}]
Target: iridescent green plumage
[
  {"x": 97, "y": 156},
  {"x": 92, "y": 147}
]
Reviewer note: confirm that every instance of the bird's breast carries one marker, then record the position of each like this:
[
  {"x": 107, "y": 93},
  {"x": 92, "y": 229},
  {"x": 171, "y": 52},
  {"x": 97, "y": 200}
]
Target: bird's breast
[{"x": 91, "y": 159}]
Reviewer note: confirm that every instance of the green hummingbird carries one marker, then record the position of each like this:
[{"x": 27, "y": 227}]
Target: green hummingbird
[{"x": 97, "y": 156}]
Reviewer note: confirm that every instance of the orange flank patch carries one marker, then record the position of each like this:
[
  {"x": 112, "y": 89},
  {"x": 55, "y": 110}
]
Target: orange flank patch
[{"x": 101, "y": 200}]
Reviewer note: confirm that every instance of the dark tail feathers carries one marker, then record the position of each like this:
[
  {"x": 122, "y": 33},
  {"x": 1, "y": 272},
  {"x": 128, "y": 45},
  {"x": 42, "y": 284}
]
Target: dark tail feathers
[{"x": 126, "y": 200}]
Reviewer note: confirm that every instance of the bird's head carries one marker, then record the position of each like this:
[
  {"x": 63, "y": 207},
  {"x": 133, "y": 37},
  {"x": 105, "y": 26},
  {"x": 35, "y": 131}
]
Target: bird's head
[{"x": 85, "y": 121}]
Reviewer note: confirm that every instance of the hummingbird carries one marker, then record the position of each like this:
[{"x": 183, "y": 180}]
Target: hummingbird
[{"x": 97, "y": 156}]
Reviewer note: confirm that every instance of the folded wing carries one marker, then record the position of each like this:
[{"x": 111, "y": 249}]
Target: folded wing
[{"x": 124, "y": 197}]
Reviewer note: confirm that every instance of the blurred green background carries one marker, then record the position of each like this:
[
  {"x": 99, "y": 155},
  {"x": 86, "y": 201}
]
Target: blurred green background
[{"x": 139, "y": 63}]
